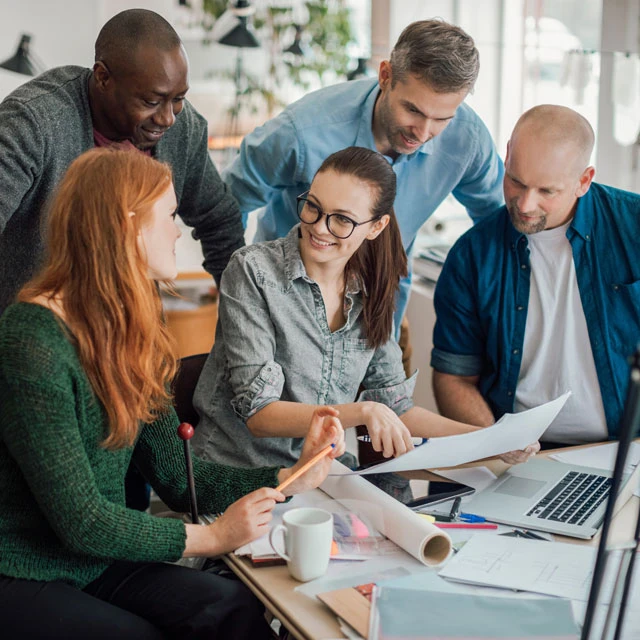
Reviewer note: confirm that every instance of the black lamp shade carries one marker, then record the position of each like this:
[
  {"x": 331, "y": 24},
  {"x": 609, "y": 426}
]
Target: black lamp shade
[
  {"x": 295, "y": 47},
  {"x": 240, "y": 36},
  {"x": 21, "y": 62}
]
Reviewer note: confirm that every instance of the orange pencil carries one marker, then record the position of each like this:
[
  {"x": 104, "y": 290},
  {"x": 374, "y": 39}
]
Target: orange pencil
[{"x": 305, "y": 467}]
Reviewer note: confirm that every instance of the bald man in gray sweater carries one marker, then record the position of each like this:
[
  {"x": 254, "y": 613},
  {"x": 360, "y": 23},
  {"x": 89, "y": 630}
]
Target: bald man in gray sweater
[{"x": 133, "y": 97}]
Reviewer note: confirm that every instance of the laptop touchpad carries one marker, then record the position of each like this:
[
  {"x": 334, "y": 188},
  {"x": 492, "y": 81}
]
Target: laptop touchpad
[{"x": 520, "y": 487}]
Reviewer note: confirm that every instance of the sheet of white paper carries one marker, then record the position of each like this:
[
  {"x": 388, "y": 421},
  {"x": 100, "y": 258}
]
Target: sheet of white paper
[
  {"x": 374, "y": 570},
  {"x": 513, "y": 431},
  {"x": 550, "y": 568},
  {"x": 478, "y": 477}
]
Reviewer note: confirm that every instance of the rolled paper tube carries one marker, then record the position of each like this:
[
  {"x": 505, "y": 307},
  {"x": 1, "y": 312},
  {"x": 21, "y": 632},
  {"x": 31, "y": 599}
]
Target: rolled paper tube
[{"x": 413, "y": 533}]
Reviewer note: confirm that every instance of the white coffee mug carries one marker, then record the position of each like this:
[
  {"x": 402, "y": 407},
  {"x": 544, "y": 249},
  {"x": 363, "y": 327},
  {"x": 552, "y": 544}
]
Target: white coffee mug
[{"x": 308, "y": 533}]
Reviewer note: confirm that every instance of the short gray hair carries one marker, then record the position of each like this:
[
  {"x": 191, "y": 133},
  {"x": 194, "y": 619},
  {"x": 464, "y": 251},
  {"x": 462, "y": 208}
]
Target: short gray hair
[{"x": 440, "y": 54}]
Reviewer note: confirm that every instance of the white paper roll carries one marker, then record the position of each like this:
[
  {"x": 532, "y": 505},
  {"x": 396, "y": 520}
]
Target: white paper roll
[{"x": 408, "y": 530}]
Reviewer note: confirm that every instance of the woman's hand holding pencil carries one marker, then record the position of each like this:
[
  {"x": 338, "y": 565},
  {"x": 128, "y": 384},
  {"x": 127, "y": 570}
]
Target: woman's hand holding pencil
[{"x": 324, "y": 442}]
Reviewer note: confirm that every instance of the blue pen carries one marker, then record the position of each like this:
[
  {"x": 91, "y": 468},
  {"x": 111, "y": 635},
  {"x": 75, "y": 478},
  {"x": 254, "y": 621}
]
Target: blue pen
[{"x": 470, "y": 517}]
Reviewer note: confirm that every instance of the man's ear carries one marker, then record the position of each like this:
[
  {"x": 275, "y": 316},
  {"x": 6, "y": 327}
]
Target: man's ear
[
  {"x": 378, "y": 227},
  {"x": 585, "y": 181},
  {"x": 101, "y": 74},
  {"x": 384, "y": 74}
]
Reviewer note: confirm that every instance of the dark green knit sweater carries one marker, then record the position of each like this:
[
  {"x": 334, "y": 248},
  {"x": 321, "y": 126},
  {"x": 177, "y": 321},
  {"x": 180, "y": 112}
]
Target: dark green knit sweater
[{"x": 62, "y": 504}]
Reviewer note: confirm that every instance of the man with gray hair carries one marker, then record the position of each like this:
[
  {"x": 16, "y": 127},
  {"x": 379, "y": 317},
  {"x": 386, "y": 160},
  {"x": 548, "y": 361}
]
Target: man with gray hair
[
  {"x": 134, "y": 97},
  {"x": 544, "y": 295},
  {"x": 413, "y": 113}
]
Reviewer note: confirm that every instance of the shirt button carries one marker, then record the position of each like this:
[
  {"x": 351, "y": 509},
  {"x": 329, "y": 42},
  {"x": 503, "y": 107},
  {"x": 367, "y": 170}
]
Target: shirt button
[
  {"x": 516, "y": 352},
  {"x": 523, "y": 266},
  {"x": 588, "y": 237},
  {"x": 615, "y": 287},
  {"x": 519, "y": 307},
  {"x": 509, "y": 393}
]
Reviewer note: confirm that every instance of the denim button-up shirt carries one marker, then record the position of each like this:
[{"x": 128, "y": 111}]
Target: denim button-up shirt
[
  {"x": 278, "y": 160},
  {"x": 482, "y": 297},
  {"x": 273, "y": 342}
]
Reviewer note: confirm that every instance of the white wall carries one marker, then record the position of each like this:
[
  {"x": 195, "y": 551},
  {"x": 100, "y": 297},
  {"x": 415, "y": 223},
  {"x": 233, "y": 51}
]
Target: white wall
[
  {"x": 63, "y": 30},
  {"x": 616, "y": 164}
]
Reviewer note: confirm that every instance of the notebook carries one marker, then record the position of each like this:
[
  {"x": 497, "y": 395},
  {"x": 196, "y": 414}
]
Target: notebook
[{"x": 546, "y": 495}]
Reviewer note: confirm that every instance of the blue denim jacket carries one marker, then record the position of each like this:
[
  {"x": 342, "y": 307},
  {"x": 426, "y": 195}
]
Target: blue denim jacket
[
  {"x": 273, "y": 342},
  {"x": 482, "y": 297},
  {"x": 278, "y": 160}
]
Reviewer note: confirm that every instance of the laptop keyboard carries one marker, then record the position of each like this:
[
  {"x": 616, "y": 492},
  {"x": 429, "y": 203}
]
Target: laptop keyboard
[{"x": 573, "y": 499}]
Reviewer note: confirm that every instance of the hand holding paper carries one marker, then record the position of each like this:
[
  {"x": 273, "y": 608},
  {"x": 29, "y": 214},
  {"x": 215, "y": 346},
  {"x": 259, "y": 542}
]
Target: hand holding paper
[{"x": 512, "y": 432}]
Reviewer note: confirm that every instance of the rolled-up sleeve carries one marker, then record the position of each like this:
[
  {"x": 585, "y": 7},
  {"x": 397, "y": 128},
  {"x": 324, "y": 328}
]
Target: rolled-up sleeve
[
  {"x": 249, "y": 339},
  {"x": 458, "y": 340},
  {"x": 398, "y": 397},
  {"x": 264, "y": 389}
]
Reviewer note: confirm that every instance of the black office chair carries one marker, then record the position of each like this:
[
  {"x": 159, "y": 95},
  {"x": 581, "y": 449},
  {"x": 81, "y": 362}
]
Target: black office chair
[{"x": 184, "y": 385}]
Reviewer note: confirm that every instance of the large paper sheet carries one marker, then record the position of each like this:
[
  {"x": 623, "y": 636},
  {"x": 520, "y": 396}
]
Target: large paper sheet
[
  {"x": 550, "y": 568},
  {"x": 408, "y": 530},
  {"x": 513, "y": 431}
]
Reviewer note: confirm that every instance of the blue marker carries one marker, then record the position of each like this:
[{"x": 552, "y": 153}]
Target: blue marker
[{"x": 470, "y": 517}]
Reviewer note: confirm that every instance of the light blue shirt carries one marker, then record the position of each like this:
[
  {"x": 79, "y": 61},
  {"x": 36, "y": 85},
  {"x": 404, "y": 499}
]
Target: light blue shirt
[{"x": 278, "y": 160}]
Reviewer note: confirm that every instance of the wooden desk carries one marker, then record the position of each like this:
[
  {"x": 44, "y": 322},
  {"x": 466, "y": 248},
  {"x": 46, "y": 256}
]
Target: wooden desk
[
  {"x": 194, "y": 329},
  {"x": 309, "y": 619}
]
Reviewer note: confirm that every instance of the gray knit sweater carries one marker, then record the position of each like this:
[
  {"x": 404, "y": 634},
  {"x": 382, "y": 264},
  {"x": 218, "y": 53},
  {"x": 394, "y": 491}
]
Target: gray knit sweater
[{"x": 45, "y": 124}]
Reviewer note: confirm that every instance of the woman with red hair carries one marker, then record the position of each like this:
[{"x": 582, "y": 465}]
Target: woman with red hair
[{"x": 85, "y": 367}]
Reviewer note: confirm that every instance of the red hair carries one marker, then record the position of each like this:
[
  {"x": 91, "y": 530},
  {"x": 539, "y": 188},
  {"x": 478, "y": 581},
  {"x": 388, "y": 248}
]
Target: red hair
[{"x": 95, "y": 268}]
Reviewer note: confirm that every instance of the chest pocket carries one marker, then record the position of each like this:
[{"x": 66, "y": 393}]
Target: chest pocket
[
  {"x": 624, "y": 318},
  {"x": 355, "y": 357}
]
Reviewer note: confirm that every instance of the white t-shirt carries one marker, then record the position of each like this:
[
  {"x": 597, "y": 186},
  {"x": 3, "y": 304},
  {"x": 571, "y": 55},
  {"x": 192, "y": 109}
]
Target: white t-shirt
[{"x": 557, "y": 354}]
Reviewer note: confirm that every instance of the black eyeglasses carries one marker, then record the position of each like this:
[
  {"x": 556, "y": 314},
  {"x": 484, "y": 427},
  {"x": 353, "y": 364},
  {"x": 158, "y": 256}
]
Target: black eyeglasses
[{"x": 339, "y": 225}]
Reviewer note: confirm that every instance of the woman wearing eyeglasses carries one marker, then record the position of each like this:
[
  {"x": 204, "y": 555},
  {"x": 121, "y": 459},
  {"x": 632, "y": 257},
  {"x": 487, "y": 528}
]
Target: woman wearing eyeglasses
[{"x": 306, "y": 320}]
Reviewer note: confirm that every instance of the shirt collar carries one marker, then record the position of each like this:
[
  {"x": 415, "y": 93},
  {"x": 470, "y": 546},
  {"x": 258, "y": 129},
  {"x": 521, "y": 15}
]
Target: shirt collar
[
  {"x": 364, "y": 136},
  {"x": 584, "y": 217},
  {"x": 293, "y": 265}
]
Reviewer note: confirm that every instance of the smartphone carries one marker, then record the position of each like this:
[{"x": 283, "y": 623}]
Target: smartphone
[{"x": 456, "y": 490}]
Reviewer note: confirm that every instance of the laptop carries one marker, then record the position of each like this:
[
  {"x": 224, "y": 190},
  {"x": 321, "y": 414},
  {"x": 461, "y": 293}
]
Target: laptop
[{"x": 551, "y": 496}]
